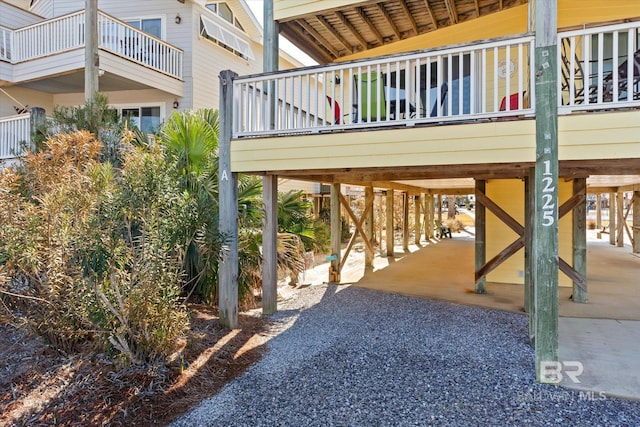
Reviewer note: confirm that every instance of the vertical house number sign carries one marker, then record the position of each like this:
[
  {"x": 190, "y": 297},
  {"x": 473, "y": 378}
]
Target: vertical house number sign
[{"x": 547, "y": 195}]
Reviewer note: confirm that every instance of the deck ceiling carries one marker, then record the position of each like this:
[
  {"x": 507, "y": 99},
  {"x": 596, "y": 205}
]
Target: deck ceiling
[{"x": 338, "y": 32}]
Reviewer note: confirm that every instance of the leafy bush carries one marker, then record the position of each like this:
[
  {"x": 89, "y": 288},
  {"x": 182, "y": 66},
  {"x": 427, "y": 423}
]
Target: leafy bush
[{"x": 84, "y": 261}]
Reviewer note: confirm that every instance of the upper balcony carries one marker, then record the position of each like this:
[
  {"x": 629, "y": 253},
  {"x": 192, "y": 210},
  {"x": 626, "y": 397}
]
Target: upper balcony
[
  {"x": 313, "y": 118},
  {"x": 49, "y": 56}
]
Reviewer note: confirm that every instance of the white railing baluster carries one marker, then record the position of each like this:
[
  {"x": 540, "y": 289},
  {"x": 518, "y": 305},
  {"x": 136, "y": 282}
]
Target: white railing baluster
[{"x": 14, "y": 132}]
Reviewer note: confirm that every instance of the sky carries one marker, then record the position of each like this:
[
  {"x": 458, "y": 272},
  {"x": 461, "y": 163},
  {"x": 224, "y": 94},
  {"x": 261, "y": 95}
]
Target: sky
[{"x": 256, "y": 7}]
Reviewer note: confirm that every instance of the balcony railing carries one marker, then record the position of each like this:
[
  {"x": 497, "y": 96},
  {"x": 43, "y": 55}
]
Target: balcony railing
[
  {"x": 482, "y": 80},
  {"x": 600, "y": 67},
  {"x": 14, "y": 132},
  {"x": 66, "y": 33}
]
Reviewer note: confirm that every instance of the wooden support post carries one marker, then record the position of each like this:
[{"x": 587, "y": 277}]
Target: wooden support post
[
  {"x": 425, "y": 217},
  {"x": 270, "y": 244},
  {"x": 636, "y": 222},
  {"x": 405, "y": 222},
  {"x": 432, "y": 216},
  {"x": 440, "y": 207},
  {"x": 379, "y": 216},
  {"x": 619, "y": 219},
  {"x": 580, "y": 240},
  {"x": 417, "y": 202},
  {"x": 389, "y": 215},
  {"x": 228, "y": 209},
  {"x": 37, "y": 124},
  {"x": 91, "y": 56},
  {"x": 529, "y": 221},
  {"x": 368, "y": 228},
  {"x": 598, "y": 211},
  {"x": 546, "y": 188},
  {"x": 336, "y": 235},
  {"x": 481, "y": 236},
  {"x": 612, "y": 218},
  {"x": 270, "y": 56}
]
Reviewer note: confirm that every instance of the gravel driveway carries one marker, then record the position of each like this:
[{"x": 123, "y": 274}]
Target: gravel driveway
[{"x": 346, "y": 356}]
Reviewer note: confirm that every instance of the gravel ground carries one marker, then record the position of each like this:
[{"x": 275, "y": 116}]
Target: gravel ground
[{"x": 345, "y": 356}]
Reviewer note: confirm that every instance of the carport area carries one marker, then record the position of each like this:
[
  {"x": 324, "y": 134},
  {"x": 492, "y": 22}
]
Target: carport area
[{"x": 603, "y": 335}]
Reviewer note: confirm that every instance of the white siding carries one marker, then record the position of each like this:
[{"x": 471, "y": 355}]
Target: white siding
[
  {"x": 14, "y": 17},
  {"x": 307, "y": 187},
  {"x": 27, "y": 97},
  {"x": 44, "y": 8}
]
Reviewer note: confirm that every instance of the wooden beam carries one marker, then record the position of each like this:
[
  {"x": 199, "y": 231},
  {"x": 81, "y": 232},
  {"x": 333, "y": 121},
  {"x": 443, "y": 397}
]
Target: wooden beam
[
  {"x": 431, "y": 14},
  {"x": 316, "y": 35},
  {"x": 546, "y": 188},
  {"x": 368, "y": 227},
  {"x": 572, "y": 203},
  {"x": 389, "y": 20},
  {"x": 636, "y": 222},
  {"x": 612, "y": 218},
  {"x": 500, "y": 258},
  {"x": 368, "y": 23},
  {"x": 599, "y": 211},
  {"x": 270, "y": 245},
  {"x": 343, "y": 19},
  {"x": 295, "y": 35},
  {"x": 405, "y": 222},
  {"x": 409, "y": 16},
  {"x": 336, "y": 234},
  {"x": 91, "y": 56},
  {"x": 577, "y": 278},
  {"x": 500, "y": 213},
  {"x": 359, "y": 230},
  {"x": 451, "y": 10},
  {"x": 580, "y": 241},
  {"x": 529, "y": 265},
  {"x": 327, "y": 26},
  {"x": 624, "y": 220},
  {"x": 417, "y": 202},
  {"x": 619, "y": 220},
  {"x": 477, "y": 5},
  {"x": 480, "y": 238},
  {"x": 228, "y": 209},
  {"x": 389, "y": 217}
]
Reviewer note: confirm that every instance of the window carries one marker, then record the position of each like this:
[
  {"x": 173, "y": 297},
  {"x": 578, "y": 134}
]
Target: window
[
  {"x": 224, "y": 11},
  {"x": 151, "y": 26},
  {"x": 218, "y": 32},
  {"x": 147, "y": 119}
]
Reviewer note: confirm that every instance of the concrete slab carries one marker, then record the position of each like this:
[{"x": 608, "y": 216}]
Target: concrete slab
[{"x": 609, "y": 351}]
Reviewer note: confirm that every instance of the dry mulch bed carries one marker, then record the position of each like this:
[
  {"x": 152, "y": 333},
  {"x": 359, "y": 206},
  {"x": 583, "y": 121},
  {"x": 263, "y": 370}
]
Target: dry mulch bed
[{"x": 40, "y": 386}]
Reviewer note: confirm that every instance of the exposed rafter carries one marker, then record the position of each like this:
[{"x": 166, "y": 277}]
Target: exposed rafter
[
  {"x": 412, "y": 21},
  {"x": 294, "y": 33},
  {"x": 327, "y": 26},
  {"x": 316, "y": 35},
  {"x": 343, "y": 19},
  {"x": 389, "y": 20},
  {"x": 477, "y": 3},
  {"x": 451, "y": 9},
  {"x": 372, "y": 28},
  {"x": 431, "y": 14}
]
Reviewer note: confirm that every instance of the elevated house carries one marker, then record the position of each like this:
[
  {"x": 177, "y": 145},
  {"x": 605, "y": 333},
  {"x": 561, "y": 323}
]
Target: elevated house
[{"x": 529, "y": 105}]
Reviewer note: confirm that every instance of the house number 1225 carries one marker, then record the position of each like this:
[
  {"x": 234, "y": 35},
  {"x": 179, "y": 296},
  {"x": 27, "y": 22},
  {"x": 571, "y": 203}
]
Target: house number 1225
[{"x": 547, "y": 196}]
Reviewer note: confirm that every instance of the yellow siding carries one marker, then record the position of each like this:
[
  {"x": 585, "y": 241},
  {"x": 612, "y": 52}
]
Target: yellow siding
[
  {"x": 509, "y": 195},
  {"x": 579, "y": 12},
  {"x": 581, "y": 137},
  {"x": 287, "y": 9}
]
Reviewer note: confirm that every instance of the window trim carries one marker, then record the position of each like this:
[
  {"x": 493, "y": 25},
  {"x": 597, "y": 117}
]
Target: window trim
[
  {"x": 139, "y": 105},
  {"x": 162, "y": 18}
]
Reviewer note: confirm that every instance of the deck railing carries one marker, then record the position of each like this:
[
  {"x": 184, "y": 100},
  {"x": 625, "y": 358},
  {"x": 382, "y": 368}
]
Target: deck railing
[
  {"x": 15, "y": 134},
  {"x": 483, "y": 80},
  {"x": 66, "y": 33},
  {"x": 459, "y": 83},
  {"x": 600, "y": 67}
]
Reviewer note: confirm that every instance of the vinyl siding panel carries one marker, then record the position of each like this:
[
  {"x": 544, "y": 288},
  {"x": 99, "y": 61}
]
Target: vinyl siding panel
[
  {"x": 14, "y": 17},
  {"x": 51, "y": 65},
  {"x": 581, "y": 136}
]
